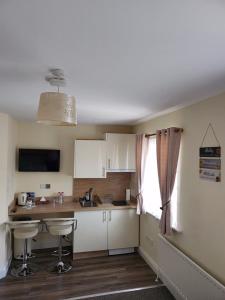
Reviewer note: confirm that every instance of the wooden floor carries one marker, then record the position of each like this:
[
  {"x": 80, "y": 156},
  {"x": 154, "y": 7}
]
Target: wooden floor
[{"x": 88, "y": 276}]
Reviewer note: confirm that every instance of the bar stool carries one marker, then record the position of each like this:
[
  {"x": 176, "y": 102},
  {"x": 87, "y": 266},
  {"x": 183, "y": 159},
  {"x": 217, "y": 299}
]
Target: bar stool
[
  {"x": 61, "y": 227},
  {"x": 24, "y": 230}
]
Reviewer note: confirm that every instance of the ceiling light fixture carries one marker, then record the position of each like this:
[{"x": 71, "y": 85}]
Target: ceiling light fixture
[{"x": 57, "y": 108}]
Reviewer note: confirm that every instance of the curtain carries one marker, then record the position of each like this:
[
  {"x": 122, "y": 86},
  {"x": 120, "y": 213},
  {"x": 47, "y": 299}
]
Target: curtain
[
  {"x": 142, "y": 144},
  {"x": 168, "y": 145}
]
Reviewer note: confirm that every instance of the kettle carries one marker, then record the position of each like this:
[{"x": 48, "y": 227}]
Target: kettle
[{"x": 22, "y": 198}]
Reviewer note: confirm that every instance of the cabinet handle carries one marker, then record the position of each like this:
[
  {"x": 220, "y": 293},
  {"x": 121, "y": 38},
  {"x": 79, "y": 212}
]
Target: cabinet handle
[
  {"x": 75, "y": 225},
  {"x": 108, "y": 163},
  {"x": 104, "y": 216},
  {"x": 103, "y": 172},
  {"x": 110, "y": 216}
]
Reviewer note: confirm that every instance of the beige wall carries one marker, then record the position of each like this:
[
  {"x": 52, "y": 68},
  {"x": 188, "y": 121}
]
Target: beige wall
[
  {"x": 11, "y": 169},
  {"x": 32, "y": 135},
  {"x": 8, "y": 133},
  {"x": 41, "y": 136},
  {"x": 202, "y": 203},
  {"x": 3, "y": 166}
]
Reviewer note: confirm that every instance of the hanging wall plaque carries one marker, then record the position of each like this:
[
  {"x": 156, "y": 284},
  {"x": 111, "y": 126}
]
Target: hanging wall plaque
[
  {"x": 210, "y": 160},
  {"x": 210, "y": 152}
]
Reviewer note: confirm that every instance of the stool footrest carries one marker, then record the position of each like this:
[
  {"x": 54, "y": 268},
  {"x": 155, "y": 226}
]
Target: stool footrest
[
  {"x": 61, "y": 268},
  {"x": 64, "y": 252},
  {"x": 22, "y": 271}
]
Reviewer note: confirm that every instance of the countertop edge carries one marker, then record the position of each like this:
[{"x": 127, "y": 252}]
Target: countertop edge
[{"x": 65, "y": 207}]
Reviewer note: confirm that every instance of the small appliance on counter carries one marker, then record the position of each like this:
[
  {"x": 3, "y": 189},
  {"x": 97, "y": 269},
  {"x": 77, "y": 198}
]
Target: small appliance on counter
[
  {"x": 85, "y": 203},
  {"x": 87, "y": 200},
  {"x": 22, "y": 198},
  {"x": 31, "y": 195},
  {"x": 119, "y": 203}
]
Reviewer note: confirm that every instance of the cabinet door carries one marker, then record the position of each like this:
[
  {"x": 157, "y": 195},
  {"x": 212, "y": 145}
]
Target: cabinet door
[
  {"x": 123, "y": 229},
  {"x": 90, "y": 159},
  {"x": 121, "y": 149},
  {"x": 91, "y": 232}
]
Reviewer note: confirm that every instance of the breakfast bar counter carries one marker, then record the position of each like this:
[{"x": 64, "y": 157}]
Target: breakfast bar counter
[
  {"x": 69, "y": 205},
  {"x": 98, "y": 228}
]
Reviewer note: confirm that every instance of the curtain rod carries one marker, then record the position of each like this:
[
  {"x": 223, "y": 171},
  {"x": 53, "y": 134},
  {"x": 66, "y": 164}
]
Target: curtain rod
[{"x": 154, "y": 134}]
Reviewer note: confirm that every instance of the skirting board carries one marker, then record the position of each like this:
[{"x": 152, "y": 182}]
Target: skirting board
[
  {"x": 147, "y": 258},
  {"x": 90, "y": 254},
  {"x": 154, "y": 266},
  {"x": 183, "y": 277},
  {"x": 177, "y": 293},
  {"x": 121, "y": 251},
  {"x": 4, "y": 269}
]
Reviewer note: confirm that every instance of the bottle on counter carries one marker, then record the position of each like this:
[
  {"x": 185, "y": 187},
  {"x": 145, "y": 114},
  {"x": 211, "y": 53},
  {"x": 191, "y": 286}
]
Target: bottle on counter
[
  {"x": 87, "y": 198},
  {"x": 60, "y": 197},
  {"x": 128, "y": 196}
]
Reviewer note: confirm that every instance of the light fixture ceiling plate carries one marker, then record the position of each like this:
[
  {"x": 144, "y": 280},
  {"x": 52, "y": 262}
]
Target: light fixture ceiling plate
[{"x": 56, "y": 77}]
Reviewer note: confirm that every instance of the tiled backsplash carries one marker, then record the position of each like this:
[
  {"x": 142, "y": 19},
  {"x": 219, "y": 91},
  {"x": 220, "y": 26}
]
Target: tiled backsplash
[{"x": 114, "y": 186}]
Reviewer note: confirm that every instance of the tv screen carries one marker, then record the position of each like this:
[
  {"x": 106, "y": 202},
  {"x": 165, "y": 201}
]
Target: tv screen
[{"x": 39, "y": 160}]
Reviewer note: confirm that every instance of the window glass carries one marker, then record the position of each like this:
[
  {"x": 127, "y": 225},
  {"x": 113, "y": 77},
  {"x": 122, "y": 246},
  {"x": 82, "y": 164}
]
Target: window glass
[{"x": 151, "y": 191}]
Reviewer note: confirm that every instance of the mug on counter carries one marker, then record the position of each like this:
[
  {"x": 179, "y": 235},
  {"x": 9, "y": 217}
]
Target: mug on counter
[{"x": 31, "y": 195}]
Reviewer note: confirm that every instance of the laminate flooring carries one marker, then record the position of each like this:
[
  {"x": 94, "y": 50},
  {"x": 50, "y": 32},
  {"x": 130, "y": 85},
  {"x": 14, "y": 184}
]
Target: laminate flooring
[{"x": 87, "y": 277}]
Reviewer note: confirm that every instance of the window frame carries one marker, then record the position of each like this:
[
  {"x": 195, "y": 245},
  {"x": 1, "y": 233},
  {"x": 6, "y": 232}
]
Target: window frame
[{"x": 175, "y": 224}]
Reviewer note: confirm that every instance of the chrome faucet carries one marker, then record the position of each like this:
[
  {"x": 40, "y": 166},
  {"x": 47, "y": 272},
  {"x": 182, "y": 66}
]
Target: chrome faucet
[{"x": 90, "y": 194}]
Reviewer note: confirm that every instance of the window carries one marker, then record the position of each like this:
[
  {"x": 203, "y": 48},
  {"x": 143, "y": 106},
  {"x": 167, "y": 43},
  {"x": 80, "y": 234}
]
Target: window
[{"x": 151, "y": 191}]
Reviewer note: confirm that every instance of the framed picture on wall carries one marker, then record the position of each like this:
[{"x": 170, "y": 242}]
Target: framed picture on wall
[
  {"x": 210, "y": 152},
  {"x": 210, "y": 158},
  {"x": 210, "y": 163},
  {"x": 211, "y": 175}
]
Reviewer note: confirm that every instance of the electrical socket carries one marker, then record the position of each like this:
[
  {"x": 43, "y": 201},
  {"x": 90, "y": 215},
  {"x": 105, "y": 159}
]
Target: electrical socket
[{"x": 45, "y": 185}]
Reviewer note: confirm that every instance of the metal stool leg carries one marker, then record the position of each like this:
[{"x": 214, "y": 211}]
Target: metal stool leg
[
  {"x": 24, "y": 270},
  {"x": 24, "y": 265},
  {"x": 64, "y": 251},
  {"x": 61, "y": 267}
]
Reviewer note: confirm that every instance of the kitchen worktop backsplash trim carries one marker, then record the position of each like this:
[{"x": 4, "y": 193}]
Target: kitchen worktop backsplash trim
[{"x": 111, "y": 188}]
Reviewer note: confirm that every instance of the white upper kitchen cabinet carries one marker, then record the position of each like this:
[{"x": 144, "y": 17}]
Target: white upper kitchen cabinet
[
  {"x": 91, "y": 232},
  {"x": 121, "y": 152},
  {"x": 123, "y": 229},
  {"x": 90, "y": 159}
]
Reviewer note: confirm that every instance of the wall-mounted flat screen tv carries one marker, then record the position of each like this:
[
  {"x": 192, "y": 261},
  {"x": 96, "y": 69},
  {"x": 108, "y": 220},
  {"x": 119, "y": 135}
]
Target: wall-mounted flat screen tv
[{"x": 38, "y": 160}]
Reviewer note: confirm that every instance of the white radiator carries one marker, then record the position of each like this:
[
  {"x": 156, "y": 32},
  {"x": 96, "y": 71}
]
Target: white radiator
[{"x": 184, "y": 278}]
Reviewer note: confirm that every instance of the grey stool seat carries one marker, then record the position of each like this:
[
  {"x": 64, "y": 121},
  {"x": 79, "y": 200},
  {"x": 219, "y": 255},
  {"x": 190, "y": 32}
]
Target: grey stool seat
[
  {"x": 25, "y": 233},
  {"x": 61, "y": 227}
]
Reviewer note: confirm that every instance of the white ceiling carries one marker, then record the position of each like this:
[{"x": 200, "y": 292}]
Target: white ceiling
[{"x": 125, "y": 60}]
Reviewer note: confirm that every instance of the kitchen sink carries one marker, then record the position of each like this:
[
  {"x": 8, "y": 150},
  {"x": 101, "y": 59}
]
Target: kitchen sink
[
  {"x": 119, "y": 203},
  {"x": 88, "y": 204}
]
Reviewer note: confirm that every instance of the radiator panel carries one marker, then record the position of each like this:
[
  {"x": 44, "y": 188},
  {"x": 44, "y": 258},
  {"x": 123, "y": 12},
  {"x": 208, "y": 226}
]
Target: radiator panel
[{"x": 184, "y": 278}]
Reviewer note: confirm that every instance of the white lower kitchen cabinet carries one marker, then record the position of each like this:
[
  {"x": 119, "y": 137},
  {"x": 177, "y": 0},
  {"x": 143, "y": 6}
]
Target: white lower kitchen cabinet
[
  {"x": 91, "y": 232},
  {"x": 123, "y": 229},
  {"x": 106, "y": 230}
]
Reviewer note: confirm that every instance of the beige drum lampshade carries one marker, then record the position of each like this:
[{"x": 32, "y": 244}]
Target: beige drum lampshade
[{"x": 57, "y": 109}]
